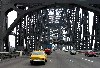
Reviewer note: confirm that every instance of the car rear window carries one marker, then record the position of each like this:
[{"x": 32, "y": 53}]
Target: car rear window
[{"x": 37, "y": 53}]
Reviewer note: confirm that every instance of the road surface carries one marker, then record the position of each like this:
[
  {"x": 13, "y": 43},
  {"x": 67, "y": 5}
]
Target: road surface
[{"x": 58, "y": 59}]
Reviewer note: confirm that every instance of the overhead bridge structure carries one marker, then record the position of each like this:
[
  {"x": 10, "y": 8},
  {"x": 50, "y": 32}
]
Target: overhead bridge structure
[{"x": 61, "y": 22}]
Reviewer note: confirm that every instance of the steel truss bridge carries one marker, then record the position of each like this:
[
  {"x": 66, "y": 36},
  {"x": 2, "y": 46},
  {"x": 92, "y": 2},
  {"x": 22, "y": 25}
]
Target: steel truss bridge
[{"x": 40, "y": 21}]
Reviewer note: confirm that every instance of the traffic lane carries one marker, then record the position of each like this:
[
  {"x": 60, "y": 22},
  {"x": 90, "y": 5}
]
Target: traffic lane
[
  {"x": 66, "y": 60},
  {"x": 74, "y": 62},
  {"x": 83, "y": 61},
  {"x": 61, "y": 60},
  {"x": 91, "y": 59},
  {"x": 55, "y": 60},
  {"x": 83, "y": 56},
  {"x": 25, "y": 63},
  {"x": 94, "y": 60},
  {"x": 10, "y": 62}
]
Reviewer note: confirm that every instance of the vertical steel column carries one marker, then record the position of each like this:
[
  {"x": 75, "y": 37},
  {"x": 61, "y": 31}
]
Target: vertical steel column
[
  {"x": 7, "y": 46},
  {"x": 86, "y": 33},
  {"x": 97, "y": 32},
  {"x": 59, "y": 29},
  {"x": 27, "y": 33},
  {"x": 69, "y": 12},
  {"x": 69, "y": 29},
  {"x": 19, "y": 38},
  {"x": 30, "y": 28},
  {"x": 78, "y": 29},
  {"x": 16, "y": 37},
  {"x": 1, "y": 27},
  {"x": 21, "y": 34},
  {"x": 93, "y": 30},
  {"x": 36, "y": 32},
  {"x": 30, "y": 32},
  {"x": 95, "y": 44},
  {"x": 73, "y": 29},
  {"x": 75, "y": 25},
  {"x": 24, "y": 32}
]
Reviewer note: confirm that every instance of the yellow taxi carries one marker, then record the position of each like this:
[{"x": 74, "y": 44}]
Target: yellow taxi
[{"x": 38, "y": 56}]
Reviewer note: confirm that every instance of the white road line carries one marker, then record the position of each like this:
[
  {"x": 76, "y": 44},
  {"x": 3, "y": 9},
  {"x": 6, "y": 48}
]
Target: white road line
[
  {"x": 88, "y": 60},
  {"x": 82, "y": 58},
  {"x": 50, "y": 61},
  {"x": 92, "y": 61},
  {"x": 70, "y": 60}
]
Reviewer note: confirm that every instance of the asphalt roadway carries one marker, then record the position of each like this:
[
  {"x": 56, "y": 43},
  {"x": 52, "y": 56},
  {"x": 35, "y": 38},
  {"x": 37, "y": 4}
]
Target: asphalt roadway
[{"x": 58, "y": 59}]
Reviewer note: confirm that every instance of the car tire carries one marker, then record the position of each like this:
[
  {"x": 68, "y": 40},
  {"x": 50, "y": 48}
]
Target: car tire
[
  {"x": 45, "y": 60},
  {"x": 87, "y": 55},
  {"x": 95, "y": 56},
  {"x": 43, "y": 63},
  {"x": 31, "y": 63}
]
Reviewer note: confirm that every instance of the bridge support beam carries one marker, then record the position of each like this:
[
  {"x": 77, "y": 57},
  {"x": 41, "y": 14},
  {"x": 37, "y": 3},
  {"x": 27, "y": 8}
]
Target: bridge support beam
[{"x": 3, "y": 28}]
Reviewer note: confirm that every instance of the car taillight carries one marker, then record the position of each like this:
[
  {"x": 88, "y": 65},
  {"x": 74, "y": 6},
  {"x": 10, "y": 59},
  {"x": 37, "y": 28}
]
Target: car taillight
[{"x": 94, "y": 53}]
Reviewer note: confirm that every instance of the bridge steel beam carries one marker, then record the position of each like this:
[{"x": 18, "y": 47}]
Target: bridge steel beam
[
  {"x": 34, "y": 6},
  {"x": 96, "y": 30}
]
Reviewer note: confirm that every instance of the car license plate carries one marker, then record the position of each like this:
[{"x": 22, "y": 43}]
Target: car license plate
[{"x": 37, "y": 60}]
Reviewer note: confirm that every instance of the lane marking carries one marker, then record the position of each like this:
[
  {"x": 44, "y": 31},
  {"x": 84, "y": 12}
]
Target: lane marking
[
  {"x": 88, "y": 60},
  {"x": 50, "y": 61},
  {"x": 72, "y": 61},
  {"x": 92, "y": 61}
]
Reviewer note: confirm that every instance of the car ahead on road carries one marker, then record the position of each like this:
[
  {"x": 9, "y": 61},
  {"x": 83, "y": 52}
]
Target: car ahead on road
[
  {"x": 38, "y": 56},
  {"x": 91, "y": 53},
  {"x": 48, "y": 51},
  {"x": 73, "y": 52}
]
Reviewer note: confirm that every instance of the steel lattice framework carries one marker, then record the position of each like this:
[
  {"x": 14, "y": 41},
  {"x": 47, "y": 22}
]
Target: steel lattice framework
[{"x": 44, "y": 21}]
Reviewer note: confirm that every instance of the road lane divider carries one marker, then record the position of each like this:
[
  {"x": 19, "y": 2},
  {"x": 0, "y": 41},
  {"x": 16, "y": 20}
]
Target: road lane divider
[
  {"x": 87, "y": 59},
  {"x": 92, "y": 61},
  {"x": 82, "y": 58},
  {"x": 50, "y": 60}
]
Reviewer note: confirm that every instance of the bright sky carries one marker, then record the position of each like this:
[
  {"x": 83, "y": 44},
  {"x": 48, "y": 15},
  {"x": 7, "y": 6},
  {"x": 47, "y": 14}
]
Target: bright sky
[{"x": 13, "y": 15}]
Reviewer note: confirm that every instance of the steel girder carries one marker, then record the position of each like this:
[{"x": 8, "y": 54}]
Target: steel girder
[
  {"x": 96, "y": 32},
  {"x": 85, "y": 6},
  {"x": 21, "y": 10}
]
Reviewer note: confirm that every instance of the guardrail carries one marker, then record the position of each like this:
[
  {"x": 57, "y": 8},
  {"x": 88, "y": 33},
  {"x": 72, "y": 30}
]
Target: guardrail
[{"x": 5, "y": 55}]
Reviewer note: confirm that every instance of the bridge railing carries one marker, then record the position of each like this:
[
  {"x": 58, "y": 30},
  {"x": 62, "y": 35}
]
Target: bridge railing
[{"x": 6, "y": 55}]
